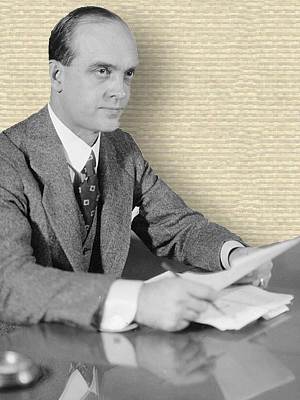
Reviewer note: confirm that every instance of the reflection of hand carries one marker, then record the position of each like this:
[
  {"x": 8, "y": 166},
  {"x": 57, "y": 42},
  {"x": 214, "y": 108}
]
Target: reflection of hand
[
  {"x": 259, "y": 277},
  {"x": 170, "y": 304},
  {"x": 177, "y": 358}
]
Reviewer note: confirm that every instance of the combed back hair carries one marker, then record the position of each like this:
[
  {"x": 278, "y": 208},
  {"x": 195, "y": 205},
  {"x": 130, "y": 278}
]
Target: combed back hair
[{"x": 60, "y": 41}]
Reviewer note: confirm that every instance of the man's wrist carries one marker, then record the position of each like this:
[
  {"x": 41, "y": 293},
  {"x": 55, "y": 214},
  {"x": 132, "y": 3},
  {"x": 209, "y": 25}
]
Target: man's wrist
[{"x": 120, "y": 305}]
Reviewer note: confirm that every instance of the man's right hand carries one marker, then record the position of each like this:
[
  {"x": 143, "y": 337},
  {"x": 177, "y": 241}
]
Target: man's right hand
[
  {"x": 179, "y": 359},
  {"x": 171, "y": 304}
]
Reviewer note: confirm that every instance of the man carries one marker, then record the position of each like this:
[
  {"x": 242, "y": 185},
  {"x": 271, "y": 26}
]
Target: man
[{"x": 70, "y": 179}]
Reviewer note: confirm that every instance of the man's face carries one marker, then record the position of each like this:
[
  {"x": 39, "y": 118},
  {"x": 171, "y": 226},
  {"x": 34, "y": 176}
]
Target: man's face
[{"x": 96, "y": 85}]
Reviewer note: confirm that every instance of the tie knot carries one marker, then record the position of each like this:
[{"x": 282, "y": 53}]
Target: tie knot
[{"x": 89, "y": 168}]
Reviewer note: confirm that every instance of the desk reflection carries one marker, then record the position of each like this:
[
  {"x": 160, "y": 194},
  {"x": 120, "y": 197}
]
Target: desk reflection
[{"x": 145, "y": 364}]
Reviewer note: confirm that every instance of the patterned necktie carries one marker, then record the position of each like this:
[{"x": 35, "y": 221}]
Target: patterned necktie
[{"x": 87, "y": 192}]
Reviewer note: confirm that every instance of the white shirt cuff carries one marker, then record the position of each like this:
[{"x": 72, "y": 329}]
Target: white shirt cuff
[
  {"x": 120, "y": 305},
  {"x": 226, "y": 250}
]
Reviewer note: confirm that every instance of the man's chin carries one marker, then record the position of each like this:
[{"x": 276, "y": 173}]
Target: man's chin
[{"x": 109, "y": 126}]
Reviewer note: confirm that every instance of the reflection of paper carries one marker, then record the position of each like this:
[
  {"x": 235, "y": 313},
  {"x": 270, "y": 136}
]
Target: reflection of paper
[
  {"x": 249, "y": 370},
  {"x": 243, "y": 265},
  {"x": 241, "y": 305}
]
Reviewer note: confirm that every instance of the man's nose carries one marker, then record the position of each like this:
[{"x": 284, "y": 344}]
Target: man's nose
[{"x": 117, "y": 88}]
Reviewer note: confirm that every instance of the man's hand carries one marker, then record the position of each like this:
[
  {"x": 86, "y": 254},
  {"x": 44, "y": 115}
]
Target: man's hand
[
  {"x": 261, "y": 276},
  {"x": 177, "y": 358},
  {"x": 172, "y": 303}
]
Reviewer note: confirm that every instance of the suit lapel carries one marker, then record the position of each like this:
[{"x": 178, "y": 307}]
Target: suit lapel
[{"x": 47, "y": 159}]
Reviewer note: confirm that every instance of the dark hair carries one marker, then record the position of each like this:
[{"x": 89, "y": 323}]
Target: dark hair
[{"x": 60, "y": 46}]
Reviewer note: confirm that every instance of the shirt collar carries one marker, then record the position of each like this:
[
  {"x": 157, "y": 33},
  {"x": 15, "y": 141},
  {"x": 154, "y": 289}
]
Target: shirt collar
[{"x": 76, "y": 150}]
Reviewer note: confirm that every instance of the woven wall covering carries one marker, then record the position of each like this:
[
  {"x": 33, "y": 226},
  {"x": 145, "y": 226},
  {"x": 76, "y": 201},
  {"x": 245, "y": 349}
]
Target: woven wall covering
[{"x": 215, "y": 104}]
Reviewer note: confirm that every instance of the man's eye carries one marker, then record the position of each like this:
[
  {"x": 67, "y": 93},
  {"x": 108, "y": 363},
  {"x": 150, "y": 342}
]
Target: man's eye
[
  {"x": 130, "y": 74},
  {"x": 103, "y": 72}
]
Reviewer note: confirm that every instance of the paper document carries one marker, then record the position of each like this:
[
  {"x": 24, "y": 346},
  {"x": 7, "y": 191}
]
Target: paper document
[
  {"x": 241, "y": 305},
  {"x": 243, "y": 265}
]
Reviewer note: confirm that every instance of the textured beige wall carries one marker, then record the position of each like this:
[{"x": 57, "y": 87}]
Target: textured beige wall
[{"x": 215, "y": 104}]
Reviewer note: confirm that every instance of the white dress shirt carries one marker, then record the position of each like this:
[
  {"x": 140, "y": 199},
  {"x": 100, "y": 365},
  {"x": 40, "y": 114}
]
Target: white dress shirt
[{"x": 121, "y": 302}]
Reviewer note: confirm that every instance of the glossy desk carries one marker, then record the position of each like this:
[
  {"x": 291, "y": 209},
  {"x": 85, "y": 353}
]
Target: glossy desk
[{"x": 262, "y": 361}]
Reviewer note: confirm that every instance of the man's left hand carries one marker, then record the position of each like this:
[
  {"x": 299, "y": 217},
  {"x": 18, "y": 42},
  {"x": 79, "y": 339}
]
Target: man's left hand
[{"x": 259, "y": 277}]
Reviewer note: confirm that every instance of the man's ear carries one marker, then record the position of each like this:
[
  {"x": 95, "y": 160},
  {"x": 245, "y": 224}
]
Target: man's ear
[{"x": 56, "y": 75}]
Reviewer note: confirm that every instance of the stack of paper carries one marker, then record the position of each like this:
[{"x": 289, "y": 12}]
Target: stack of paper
[{"x": 239, "y": 305}]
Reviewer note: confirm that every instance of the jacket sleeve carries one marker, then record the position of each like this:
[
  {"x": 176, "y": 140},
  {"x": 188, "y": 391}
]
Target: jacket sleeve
[
  {"x": 169, "y": 227},
  {"x": 30, "y": 292}
]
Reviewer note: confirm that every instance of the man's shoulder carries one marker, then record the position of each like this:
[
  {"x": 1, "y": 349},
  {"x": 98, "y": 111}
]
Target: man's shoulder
[
  {"x": 119, "y": 136},
  {"x": 122, "y": 140},
  {"x": 16, "y": 132},
  {"x": 13, "y": 139},
  {"x": 121, "y": 146}
]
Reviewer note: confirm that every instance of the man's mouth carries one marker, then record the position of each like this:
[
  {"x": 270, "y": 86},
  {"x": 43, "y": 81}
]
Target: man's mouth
[
  {"x": 112, "y": 112},
  {"x": 112, "y": 108}
]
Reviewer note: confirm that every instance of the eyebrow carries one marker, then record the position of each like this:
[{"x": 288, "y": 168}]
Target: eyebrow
[{"x": 99, "y": 64}]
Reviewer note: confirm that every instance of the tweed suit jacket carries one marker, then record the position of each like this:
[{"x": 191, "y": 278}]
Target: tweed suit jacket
[{"x": 43, "y": 270}]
